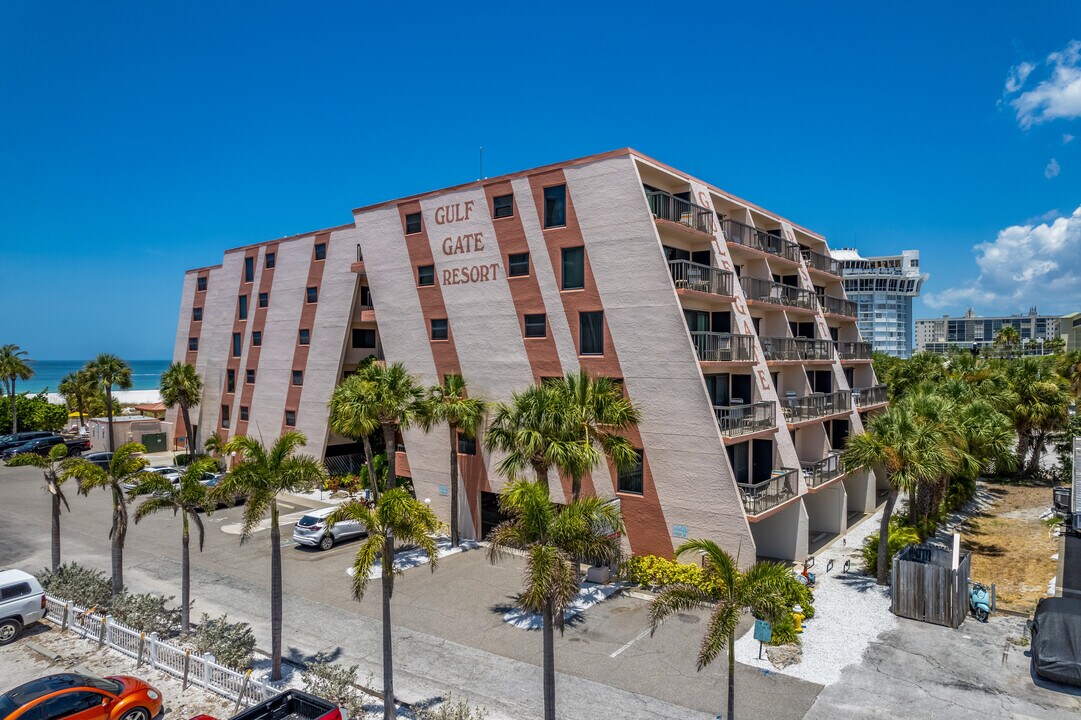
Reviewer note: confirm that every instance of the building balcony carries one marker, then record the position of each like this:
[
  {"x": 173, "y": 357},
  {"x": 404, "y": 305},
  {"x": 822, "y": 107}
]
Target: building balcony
[
  {"x": 762, "y": 496},
  {"x": 869, "y": 396},
  {"x": 823, "y": 263},
  {"x": 689, "y": 275},
  {"x": 838, "y": 306},
  {"x": 820, "y": 472},
  {"x": 784, "y": 349},
  {"x": 739, "y": 234},
  {"x": 723, "y": 347},
  {"x": 737, "y": 420},
  {"x": 774, "y": 293},
  {"x": 666, "y": 206},
  {"x": 854, "y": 350},
  {"x": 815, "y": 405}
]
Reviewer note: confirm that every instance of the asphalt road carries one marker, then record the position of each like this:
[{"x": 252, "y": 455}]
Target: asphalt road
[{"x": 449, "y": 631}]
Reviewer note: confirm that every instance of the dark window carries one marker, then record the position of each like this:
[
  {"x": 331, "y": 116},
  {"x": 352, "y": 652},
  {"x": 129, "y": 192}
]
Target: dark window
[
  {"x": 193, "y": 344},
  {"x": 249, "y": 269},
  {"x": 242, "y": 307},
  {"x": 466, "y": 445},
  {"x": 270, "y": 261},
  {"x": 555, "y": 206},
  {"x": 363, "y": 338},
  {"x": 230, "y": 380},
  {"x": 503, "y": 206},
  {"x": 313, "y": 294},
  {"x": 366, "y": 297},
  {"x": 244, "y": 413},
  {"x": 69, "y": 704},
  {"x": 574, "y": 274},
  {"x": 412, "y": 223},
  {"x": 320, "y": 251},
  {"x": 439, "y": 329},
  {"x": 225, "y": 416},
  {"x": 257, "y": 338},
  {"x": 426, "y": 275},
  {"x": 304, "y": 337},
  {"x": 196, "y": 314},
  {"x": 290, "y": 418},
  {"x": 518, "y": 264},
  {"x": 249, "y": 376},
  {"x": 591, "y": 326},
  {"x": 14, "y": 591},
  {"x": 236, "y": 344},
  {"x": 298, "y": 377},
  {"x": 264, "y": 299},
  {"x": 200, "y": 284},
  {"x": 536, "y": 326},
  {"x": 739, "y": 456},
  {"x": 630, "y": 479}
]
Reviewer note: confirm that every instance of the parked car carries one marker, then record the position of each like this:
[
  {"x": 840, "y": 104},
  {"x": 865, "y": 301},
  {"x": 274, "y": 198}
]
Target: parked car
[
  {"x": 1056, "y": 639},
  {"x": 312, "y": 530},
  {"x": 101, "y": 459},
  {"x": 22, "y": 602},
  {"x": 82, "y": 697},
  {"x": 291, "y": 705},
  {"x": 13, "y": 441},
  {"x": 171, "y": 474},
  {"x": 211, "y": 480},
  {"x": 41, "y": 446}
]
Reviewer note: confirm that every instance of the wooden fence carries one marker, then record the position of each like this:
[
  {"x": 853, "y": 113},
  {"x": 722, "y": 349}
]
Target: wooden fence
[{"x": 926, "y": 588}]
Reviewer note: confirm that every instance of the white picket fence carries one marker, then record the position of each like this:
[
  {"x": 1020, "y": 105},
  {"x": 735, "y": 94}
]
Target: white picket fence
[{"x": 192, "y": 669}]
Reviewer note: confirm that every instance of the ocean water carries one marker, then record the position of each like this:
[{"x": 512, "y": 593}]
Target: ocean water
[{"x": 145, "y": 374}]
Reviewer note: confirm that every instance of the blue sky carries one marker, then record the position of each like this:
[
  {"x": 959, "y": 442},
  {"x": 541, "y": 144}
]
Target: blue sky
[{"x": 140, "y": 139}]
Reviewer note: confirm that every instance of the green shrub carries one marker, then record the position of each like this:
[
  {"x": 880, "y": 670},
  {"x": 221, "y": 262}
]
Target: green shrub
[
  {"x": 231, "y": 644},
  {"x": 451, "y": 709},
  {"x": 35, "y": 413},
  {"x": 335, "y": 683},
  {"x": 784, "y": 630},
  {"x": 651, "y": 571},
  {"x": 899, "y": 537},
  {"x": 147, "y": 613},
  {"x": 83, "y": 586}
]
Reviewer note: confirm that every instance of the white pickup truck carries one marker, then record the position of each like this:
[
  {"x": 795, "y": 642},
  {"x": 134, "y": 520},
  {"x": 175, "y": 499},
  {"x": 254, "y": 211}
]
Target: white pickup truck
[{"x": 22, "y": 602}]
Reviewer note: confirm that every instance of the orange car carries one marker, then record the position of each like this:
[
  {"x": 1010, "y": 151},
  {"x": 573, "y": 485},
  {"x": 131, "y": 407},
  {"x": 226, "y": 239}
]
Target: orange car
[{"x": 72, "y": 696}]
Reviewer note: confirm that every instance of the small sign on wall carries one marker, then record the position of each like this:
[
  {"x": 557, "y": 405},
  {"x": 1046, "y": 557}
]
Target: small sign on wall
[
  {"x": 444, "y": 490},
  {"x": 680, "y": 531}
]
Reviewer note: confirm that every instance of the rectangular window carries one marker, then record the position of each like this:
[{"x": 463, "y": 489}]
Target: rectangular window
[
  {"x": 244, "y": 413},
  {"x": 230, "y": 380},
  {"x": 466, "y": 445},
  {"x": 264, "y": 299},
  {"x": 574, "y": 273},
  {"x": 200, "y": 284},
  {"x": 290, "y": 418},
  {"x": 555, "y": 206},
  {"x": 363, "y": 338},
  {"x": 412, "y": 223},
  {"x": 426, "y": 275},
  {"x": 242, "y": 307},
  {"x": 225, "y": 416},
  {"x": 269, "y": 261},
  {"x": 320, "y": 251},
  {"x": 304, "y": 337},
  {"x": 249, "y": 269},
  {"x": 196, "y": 314},
  {"x": 439, "y": 329},
  {"x": 518, "y": 264},
  {"x": 298, "y": 377},
  {"x": 536, "y": 326},
  {"x": 366, "y": 297},
  {"x": 249, "y": 376},
  {"x": 630, "y": 479},
  {"x": 257, "y": 338},
  {"x": 193, "y": 344},
  {"x": 313, "y": 294},
  {"x": 591, "y": 328},
  {"x": 236, "y": 344},
  {"x": 503, "y": 206}
]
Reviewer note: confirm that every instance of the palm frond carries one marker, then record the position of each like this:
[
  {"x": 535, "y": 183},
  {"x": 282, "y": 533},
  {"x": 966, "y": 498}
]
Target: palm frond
[
  {"x": 677, "y": 598},
  {"x": 720, "y": 631}
]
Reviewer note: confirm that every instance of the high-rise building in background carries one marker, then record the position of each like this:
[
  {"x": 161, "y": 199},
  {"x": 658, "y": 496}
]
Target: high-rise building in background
[
  {"x": 882, "y": 288},
  {"x": 973, "y": 331},
  {"x": 1070, "y": 327}
]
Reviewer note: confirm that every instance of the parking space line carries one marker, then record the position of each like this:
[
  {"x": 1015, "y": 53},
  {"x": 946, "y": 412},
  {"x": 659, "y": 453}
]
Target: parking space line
[{"x": 630, "y": 642}]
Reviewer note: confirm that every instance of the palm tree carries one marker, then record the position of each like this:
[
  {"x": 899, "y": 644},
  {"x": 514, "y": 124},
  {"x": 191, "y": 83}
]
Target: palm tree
[
  {"x": 551, "y": 539},
  {"x": 448, "y": 403},
  {"x": 759, "y": 589},
  {"x": 78, "y": 388},
  {"x": 214, "y": 446},
  {"x": 181, "y": 385},
  {"x": 187, "y": 498},
  {"x": 108, "y": 370},
  {"x": 395, "y": 402},
  {"x": 396, "y": 516},
  {"x": 1041, "y": 408},
  {"x": 530, "y": 432},
  {"x": 261, "y": 474},
  {"x": 126, "y": 470},
  {"x": 1070, "y": 369},
  {"x": 54, "y": 481},
  {"x": 14, "y": 365},
  {"x": 352, "y": 414},
  {"x": 1007, "y": 338}
]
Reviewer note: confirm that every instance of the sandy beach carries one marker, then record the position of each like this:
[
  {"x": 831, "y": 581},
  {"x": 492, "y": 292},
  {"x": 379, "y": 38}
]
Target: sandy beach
[{"x": 125, "y": 397}]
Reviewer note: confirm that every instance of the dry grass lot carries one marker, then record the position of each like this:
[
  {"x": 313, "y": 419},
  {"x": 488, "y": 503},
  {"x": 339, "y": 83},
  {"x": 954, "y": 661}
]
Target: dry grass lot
[{"x": 1011, "y": 546}]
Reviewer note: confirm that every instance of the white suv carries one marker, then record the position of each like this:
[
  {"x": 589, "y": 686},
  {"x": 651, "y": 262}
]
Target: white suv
[
  {"x": 22, "y": 601},
  {"x": 312, "y": 529}
]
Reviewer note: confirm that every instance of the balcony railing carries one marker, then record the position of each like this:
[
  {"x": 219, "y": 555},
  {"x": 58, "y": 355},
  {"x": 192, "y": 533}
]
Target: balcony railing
[
  {"x": 854, "y": 350},
  {"x": 787, "y": 348},
  {"x": 736, "y": 420},
  {"x": 669, "y": 207},
  {"x": 703, "y": 278},
  {"x": 777, "y": 293},
  {"x": 815, "y": 405},
  {"x": 867, "y": 396},
  {"x": 838, "y": 306},
  {"x": 822, "y": 262},
  {"x": 360, "y": 254},
  {"x": 737, "y": 232},
  {"x": 818, "y": 472},
  {"x": 760, "y": 497},
  {"x": 723, "y": 347}
]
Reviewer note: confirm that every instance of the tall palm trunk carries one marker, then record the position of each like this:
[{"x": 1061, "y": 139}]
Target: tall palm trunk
[
  {"x": 884, "y": 536},
  {"x": 541, "y": 471},
  {"x": 389, "y": 711},
  {"x": 119, "y": 531},
  {"x": 1037, "y": 451},
  {"x": 185, "y": 578},
  {"x": 390, "y": 440},
  {"x": 731, "y": 676},
  {"x": 14, "y": 411},
  {"x": 109, "y": 414},
  {"x": 56, "y": 528},
  {"x": 193, "y": 440},
  {"x": 576, "y": 486},
  {"x": 275, "y": 594},
  {"x": 549, "y": 661},
  {"x": 369, "y": 459},
  {"x": 455, "y": 536}
]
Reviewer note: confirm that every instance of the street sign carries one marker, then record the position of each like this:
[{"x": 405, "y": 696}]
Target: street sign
[
  {"x": 763, "y": 631},
  {"x": 680, "y": 531},
  {"x": 444, "y": 490}
]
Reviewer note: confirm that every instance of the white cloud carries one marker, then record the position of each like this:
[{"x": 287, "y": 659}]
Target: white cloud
[
  {"x": 1056, "y": 96},
  {"x": 1067, "y": 138},
  {"x": 1052, "y": 169},
  {"x": 1025, "y": 265}
]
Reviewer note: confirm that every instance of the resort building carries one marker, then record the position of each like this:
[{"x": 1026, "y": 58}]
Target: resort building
[
  {"x": 972, "y": 331},
  {"x": 882, "y": 288},
  {"x": 1070, "y": 327},
  {"x": 727, "y": 325}
]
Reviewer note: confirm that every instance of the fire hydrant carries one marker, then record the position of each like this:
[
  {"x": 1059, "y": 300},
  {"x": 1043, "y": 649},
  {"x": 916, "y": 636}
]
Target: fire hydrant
[{"x": 797, "y": 617}]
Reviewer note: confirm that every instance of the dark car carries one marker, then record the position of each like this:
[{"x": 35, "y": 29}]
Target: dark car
[
  {"x": 101, "y": 459},
  {"x": 211, "y": 480},
  {"x": 41, "y": 446},
  {"x": 13, "y": 441}
]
